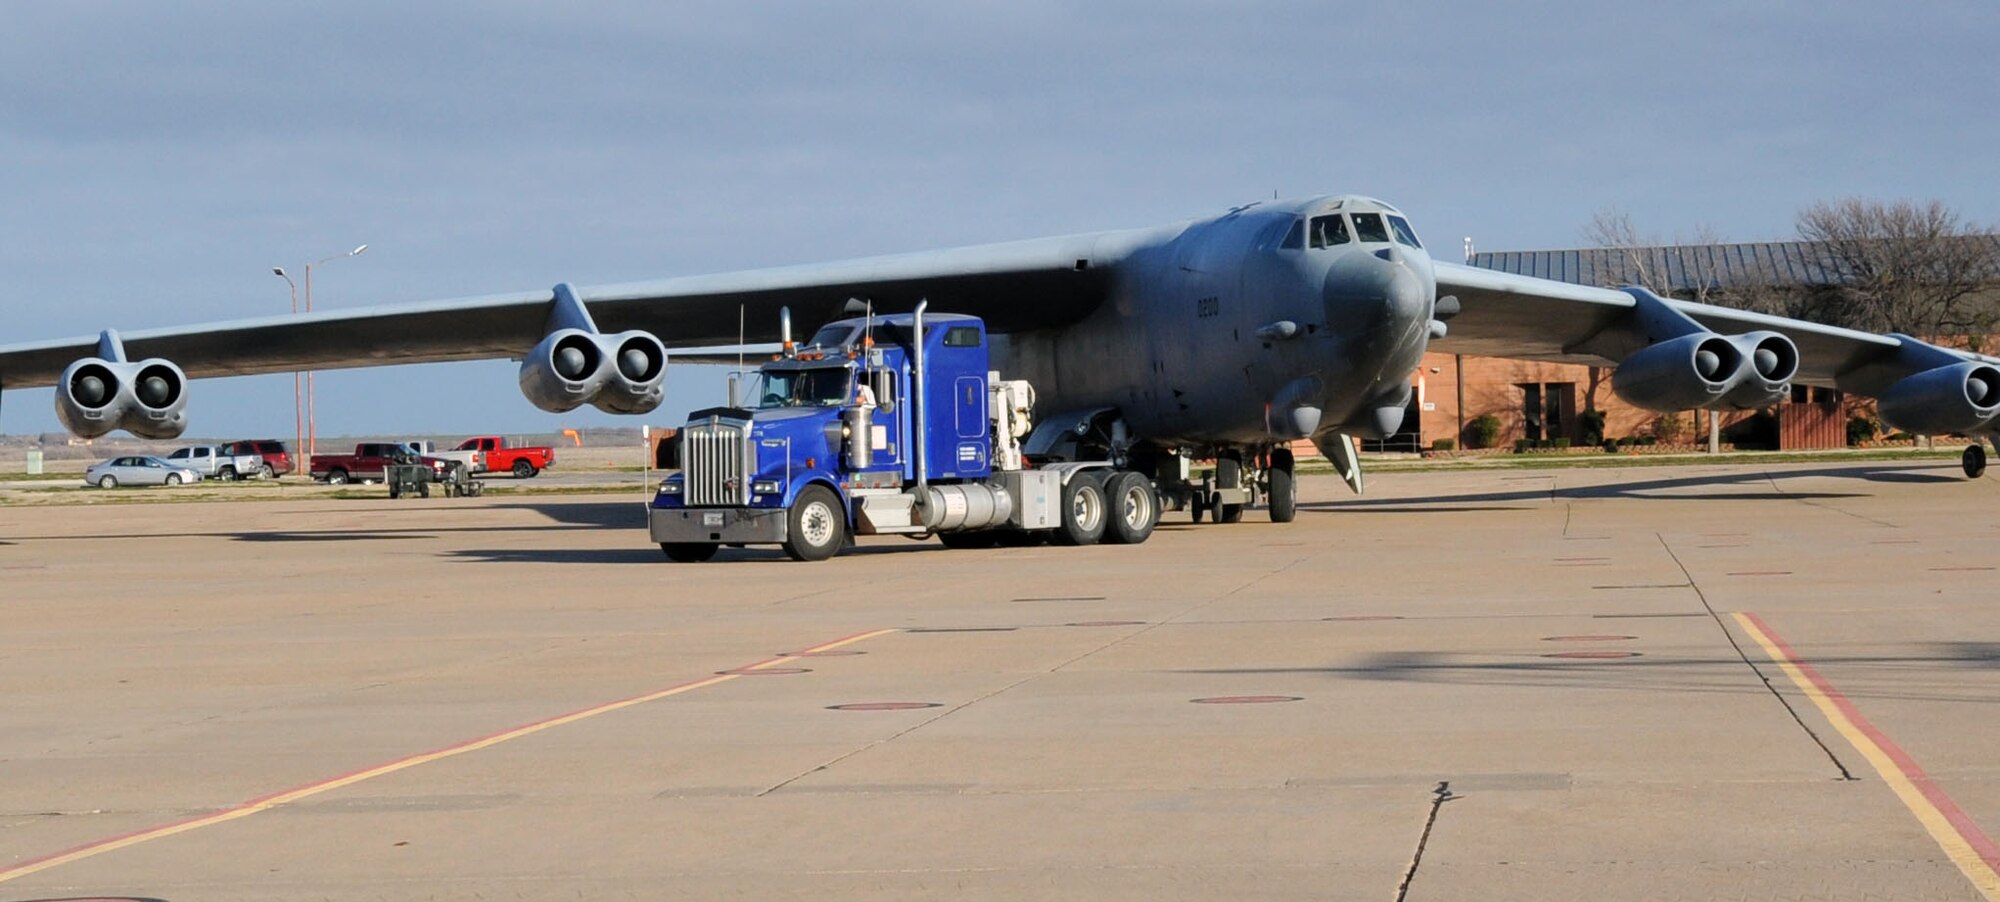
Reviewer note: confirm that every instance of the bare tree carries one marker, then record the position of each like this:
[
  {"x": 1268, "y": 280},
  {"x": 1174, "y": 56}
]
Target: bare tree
[
  {"x": 1900, "y": 266},
  {"x": 1612, "y": 228}
]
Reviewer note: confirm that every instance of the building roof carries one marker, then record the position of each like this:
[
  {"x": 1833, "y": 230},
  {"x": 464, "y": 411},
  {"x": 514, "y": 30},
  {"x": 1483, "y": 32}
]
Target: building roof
[{"x": 1680, "y": 268}]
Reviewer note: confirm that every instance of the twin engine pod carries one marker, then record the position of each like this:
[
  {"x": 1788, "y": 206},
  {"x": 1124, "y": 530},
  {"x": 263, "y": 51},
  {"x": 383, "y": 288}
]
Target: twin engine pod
[
  {"x": 148, "y": 399},
  {"x": 621, "y": 373},
  {"x": 1958, "y": 398},
  {"x": 1707, "y": 370}
]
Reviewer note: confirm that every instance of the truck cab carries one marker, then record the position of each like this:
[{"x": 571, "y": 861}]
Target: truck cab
[{"x": 877, "y": 425}]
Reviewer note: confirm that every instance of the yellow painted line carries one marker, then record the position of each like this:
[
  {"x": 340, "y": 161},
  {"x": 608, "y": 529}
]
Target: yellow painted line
[
  {"x": 268, "y": 802},
  {"x": 1961, "y": 839}
]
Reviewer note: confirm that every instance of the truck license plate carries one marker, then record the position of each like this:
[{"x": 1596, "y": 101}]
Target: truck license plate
[{"x": 711, "y": 518}]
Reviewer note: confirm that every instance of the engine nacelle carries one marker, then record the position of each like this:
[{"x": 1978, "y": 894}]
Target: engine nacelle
[
  {"x": 1770, "y": 362},
  {"x": 1960, "y": 397},
  {"x": 148, "y": 398},
  {"x": 622, "y": 373},
  {"x": 1697, "y": 370}
]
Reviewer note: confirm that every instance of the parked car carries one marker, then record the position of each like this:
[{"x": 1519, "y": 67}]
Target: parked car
[
  {"x": 138, "y": 470},
  {"x": 214, "y": 462},
  {"x": 368, "y": 461},
  {"x": 277, "y": 460},
  {"x": 492, "y": 454}
]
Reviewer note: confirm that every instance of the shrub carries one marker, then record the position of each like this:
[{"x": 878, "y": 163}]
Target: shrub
[
  {"x": 1611, "y": 446},
  {"x": 1483, "y": 431},
  {"x": 1859, "y": 429},
  {"x": 1591, "y": 425},
  {"x": 1561, "y": 443},
  {"x": 1521, "y": 445},
  {"x": 1668, "y": 427},
  {"x": 1443, "y": 444}
]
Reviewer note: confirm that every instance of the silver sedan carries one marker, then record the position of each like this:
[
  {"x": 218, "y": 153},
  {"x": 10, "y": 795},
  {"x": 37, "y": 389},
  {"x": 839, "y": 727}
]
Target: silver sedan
[{"x": 137, "y": 470}]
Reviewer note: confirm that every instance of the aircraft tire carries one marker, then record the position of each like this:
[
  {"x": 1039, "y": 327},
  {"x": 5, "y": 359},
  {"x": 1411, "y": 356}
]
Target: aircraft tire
[
  {"x": 1228, "y": 475},
  {"x": 689, "y": 552},
  {"x": 1083, "y": 511},
  {"x": 817, "y": 527},
  {"x": 1974, "y": 460},
  {"x": 1284, "y": 501},
  {"x": 1133, "y": 507}
]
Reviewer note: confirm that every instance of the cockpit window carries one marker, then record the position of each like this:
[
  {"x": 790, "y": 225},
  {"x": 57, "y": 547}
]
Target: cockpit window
[
  {"x": 1404, "y": 234},
  {"x": 822, "y": 387},
  {"x": 1328, "y": 231},
  {"x": 1368, "y": 227}
]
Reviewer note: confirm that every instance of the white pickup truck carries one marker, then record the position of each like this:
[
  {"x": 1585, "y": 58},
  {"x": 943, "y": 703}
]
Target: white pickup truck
[{"x": 212, "y": 462}]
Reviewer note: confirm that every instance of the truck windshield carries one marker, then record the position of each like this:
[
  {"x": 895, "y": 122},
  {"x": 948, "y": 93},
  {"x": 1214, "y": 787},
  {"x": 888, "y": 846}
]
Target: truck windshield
[{"x": 824, "y": 387}]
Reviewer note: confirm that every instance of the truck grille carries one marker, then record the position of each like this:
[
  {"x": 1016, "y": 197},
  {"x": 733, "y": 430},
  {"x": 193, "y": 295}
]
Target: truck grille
[{"x": 716, "y": 463}]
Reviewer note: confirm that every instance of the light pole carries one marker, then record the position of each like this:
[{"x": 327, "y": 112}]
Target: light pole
[
  {"x": 298, "y": 405},
  {"x": 312, "y": 429}
]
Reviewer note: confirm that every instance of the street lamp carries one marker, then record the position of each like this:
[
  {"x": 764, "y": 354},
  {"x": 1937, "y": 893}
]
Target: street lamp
[
  {"x": 298, "y": 404},
  {"x": 310, "y": 442}
]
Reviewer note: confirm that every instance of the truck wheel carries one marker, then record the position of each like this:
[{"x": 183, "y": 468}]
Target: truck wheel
[
  {"x": 523, "y": 469},
  {"x": 689, "y": 552},
  {"x": 226, "y": 474},
  {"x": 1284, "y": 501},
  {"x": 817, "y": 527},
  {"x": 395, "y": 490},
  {"x": 336, "y": 477},
  {"x": 1083, "y": 511},
  {"x": 1134, "y": 508}
]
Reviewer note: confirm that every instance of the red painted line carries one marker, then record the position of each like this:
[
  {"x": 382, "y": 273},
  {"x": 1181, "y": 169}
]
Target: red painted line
[
  {"x": 252, "y": 806},
  {"x": 1967, "y": 829}
]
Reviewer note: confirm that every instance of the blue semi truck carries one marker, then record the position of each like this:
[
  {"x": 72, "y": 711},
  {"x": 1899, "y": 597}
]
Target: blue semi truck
[{"x": 883, "y": 426}]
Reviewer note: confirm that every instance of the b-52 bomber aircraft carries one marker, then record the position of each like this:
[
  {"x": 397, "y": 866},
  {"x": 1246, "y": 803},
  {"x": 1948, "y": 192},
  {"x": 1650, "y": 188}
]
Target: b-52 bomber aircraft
[{"x": 1227, "y": 337}]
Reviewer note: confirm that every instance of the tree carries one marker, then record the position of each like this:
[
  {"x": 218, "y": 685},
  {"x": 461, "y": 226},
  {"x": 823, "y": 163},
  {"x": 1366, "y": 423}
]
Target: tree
[{"x": 1900, "y": 266}]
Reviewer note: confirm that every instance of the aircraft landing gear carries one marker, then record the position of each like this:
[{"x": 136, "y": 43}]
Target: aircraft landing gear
[
  {"x": 1974, "y": 460},
  {"x": 1281, "y": 492}
]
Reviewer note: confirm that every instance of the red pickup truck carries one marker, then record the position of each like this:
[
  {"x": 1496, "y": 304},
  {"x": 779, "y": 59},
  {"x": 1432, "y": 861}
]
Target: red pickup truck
[
  {"x": 367, "y": 461},
  {"x": 491, "y": 454}
]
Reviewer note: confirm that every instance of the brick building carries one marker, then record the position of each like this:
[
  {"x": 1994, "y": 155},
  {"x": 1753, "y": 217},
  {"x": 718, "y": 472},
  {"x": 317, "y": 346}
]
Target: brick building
[{"x": 1537, "y": 401}]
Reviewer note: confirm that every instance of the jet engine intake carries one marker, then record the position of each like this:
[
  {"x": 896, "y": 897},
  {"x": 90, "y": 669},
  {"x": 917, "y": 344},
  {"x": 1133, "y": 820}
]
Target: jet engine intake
[
  {"x": 1960, "y": 397},
  {"x": 1695, "y": 370},
  {"x": 1771, "y": 360},
  {"x": 148, "y": 399},
  {"x": 622, "y": 373}
]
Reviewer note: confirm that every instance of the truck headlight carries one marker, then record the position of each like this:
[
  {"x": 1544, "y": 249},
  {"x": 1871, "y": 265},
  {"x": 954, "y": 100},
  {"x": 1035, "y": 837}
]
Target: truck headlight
[
  {"x": 765, "y": 487},
  {"x": 670, "y": 487}
]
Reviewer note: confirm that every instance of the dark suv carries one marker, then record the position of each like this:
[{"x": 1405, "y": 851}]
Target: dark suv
[{"x": 277, "y": 461}]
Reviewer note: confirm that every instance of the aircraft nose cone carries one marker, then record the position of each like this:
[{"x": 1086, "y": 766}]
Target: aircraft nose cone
[{"x": 1373, "y": 293}]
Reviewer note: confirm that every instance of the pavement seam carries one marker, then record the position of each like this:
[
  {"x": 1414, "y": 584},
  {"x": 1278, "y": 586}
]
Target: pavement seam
[
  {"x": 1751, "y": 663},
  {"x": 1439, "y": 796},
  {"x": 1773, "y": 481}
]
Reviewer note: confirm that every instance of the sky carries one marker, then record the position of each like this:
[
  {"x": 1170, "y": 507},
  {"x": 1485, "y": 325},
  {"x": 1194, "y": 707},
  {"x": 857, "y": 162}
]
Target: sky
[{"x": 158, "y": 159}]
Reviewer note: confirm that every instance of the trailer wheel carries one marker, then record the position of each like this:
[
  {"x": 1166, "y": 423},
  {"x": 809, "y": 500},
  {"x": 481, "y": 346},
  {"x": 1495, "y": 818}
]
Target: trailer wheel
[
  {"x": 1083, "y": 511},
  {"x": 1134, "y": 508},
  {"x": 689, "y": 552},
  {"x": 1284, "y": 502},
  {"x": 818, "y": 526}
]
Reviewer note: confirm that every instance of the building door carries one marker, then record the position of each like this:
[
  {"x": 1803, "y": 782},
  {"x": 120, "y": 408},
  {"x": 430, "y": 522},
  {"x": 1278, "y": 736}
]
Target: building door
[
  {"x": 1547, "y": 408},
  {"x": 1531, "y": 411}
]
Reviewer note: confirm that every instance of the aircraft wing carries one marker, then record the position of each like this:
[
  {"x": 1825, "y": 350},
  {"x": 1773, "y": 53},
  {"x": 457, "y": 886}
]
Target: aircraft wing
[
  {"x": 1507, "y": 315},
  {"x": 1015, "y": 286}
]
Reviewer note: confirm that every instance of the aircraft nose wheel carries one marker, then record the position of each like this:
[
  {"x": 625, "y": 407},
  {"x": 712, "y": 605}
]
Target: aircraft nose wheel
[{"x": 1974, "y": 461}]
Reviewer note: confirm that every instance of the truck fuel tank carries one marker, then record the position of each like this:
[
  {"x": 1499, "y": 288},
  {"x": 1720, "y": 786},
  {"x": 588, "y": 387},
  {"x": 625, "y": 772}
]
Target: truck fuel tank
[{"x": 967, "y": 506}]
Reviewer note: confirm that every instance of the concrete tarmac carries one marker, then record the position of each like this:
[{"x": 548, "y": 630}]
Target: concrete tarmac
[{"x": 1648, "y": 683}]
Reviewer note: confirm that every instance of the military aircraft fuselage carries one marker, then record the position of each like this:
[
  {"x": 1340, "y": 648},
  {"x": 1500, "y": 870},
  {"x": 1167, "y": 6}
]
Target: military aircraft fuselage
[{"x": 1268, "y": 323}]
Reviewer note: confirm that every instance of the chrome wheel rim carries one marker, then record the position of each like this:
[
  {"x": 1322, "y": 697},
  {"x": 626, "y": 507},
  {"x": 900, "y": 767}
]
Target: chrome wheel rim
[
  {"x": 1138, "y": 507},
  {"x": 816, "y": 524},
  {"x": 1086, "y": 508}
]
